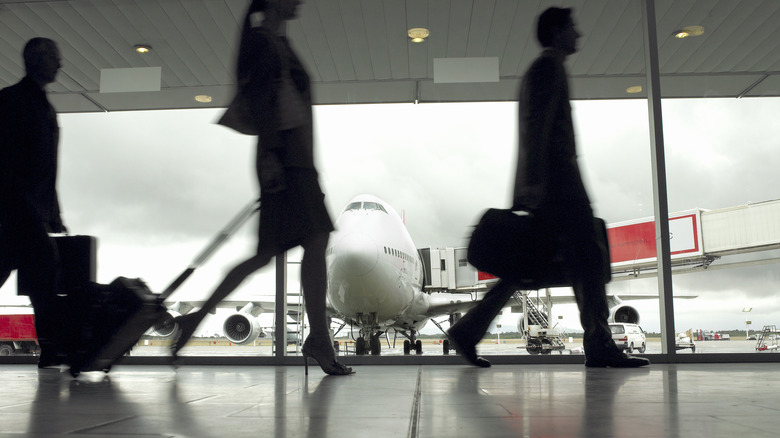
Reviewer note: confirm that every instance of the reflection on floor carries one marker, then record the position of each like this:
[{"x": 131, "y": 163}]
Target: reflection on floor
[{"x": 687, "y": 400}]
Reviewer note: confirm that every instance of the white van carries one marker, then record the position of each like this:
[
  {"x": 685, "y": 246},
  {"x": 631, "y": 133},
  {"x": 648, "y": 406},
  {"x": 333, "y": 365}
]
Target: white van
[{"x": 628, "y": 337}]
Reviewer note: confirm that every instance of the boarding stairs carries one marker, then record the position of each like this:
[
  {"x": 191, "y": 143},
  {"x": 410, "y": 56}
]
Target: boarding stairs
[
  {"x": 536, "y": 311},
  {"x": 540, "y": 337},
  {"x": 767, "y": 339}
]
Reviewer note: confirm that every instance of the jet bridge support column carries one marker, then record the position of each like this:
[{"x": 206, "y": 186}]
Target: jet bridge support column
[{"x": 660, "y": 196}]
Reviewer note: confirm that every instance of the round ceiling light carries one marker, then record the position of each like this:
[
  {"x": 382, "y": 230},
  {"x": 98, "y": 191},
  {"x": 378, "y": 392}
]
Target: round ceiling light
[
  {"x": 142, "y": 48},
  {"x": 689, "y": 31},
  {"x": 418, "y": 34},
  {"x": 680, "y": 34},
  {"x": 203, "y": 98}
]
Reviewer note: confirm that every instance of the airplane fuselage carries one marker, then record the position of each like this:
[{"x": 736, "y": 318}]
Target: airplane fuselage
[{"x": 375, "y": 274}]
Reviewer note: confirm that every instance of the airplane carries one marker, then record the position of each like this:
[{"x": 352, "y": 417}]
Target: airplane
[{"x": 375, "y": 278}]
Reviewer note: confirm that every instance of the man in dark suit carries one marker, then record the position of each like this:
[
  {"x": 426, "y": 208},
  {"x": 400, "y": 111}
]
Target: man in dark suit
[
  {"x": 549, "y": 185},
  {"x": 29, "y": 206}
]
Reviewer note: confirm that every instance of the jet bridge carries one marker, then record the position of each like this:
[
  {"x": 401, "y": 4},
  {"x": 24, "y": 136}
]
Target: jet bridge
[
  {"x": 698, "y": 238},
  {"x": 447, "y": 270}
]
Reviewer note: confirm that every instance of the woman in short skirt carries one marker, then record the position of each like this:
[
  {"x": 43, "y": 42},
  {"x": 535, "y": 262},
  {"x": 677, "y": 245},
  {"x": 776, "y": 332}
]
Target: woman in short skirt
[{"x": 277, "y": 102}]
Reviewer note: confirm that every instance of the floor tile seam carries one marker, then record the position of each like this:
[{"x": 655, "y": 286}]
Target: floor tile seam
[
  {"x": 200, "y": 400},
  {"x": 414, "y": 419},
  {"x": 85, "y": 430},
  {"x": 752, "y": 425},
  {"x": 236, "y": 414},
  {"x": 15, "y": 405}
]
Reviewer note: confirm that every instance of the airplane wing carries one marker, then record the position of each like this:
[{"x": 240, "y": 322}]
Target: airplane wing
[
  {"x": 184, "y": 307},
  {"x": 614, "y": 300},
  {"x": 449, "y": 303}
]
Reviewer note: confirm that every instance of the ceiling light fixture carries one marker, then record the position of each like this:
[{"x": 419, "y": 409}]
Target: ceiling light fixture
[
  {"x": 689, "y": 31},
  {"x": 142, "y": 48},
  {"x": 634, "y": 89},
  {"x": 418, "y": 34},
  {"x": 203, "y": 98},
  {"x": 680, "y": 34}
]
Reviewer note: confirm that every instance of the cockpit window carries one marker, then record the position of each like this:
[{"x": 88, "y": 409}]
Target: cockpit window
[
  {"x": 353, "y": 206},
  {"x": 365, "y": 206},
  {"x": 373, "y": 206}
]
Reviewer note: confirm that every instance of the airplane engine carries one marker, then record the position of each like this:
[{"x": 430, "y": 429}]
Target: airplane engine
[
  {"x": 242, "y": 328},
  {"x": 626, "y": 314},
  {"x": 166, "y": 328}
]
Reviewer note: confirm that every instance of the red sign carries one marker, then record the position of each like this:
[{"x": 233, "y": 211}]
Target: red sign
[
  {"x": 17, "y": 327},
  {"x": 484, "y": 276},
  {"x": 636, "y": 243}
]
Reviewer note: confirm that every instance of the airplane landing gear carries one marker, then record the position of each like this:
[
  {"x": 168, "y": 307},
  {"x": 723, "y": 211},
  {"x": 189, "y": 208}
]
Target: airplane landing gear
[
  {"x": 369, "y": 330},
  {"x": 376, "y": 345},
  {"x": 373, "y": 346},
  {"x": 412, "y": 343},
  {"x": 360, "y": 346}
]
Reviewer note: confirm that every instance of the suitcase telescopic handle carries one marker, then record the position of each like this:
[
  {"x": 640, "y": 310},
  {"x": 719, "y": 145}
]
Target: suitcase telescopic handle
[{"x": 220, "y": 239}]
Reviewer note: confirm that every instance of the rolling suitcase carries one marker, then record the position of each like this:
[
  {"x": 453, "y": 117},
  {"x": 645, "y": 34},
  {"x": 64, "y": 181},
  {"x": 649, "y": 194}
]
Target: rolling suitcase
[
  {"x": 111, "y": 320},
  {"x": 115, "y": 316}
]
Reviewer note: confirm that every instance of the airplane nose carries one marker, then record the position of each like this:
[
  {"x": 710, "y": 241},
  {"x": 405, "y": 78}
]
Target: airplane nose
[{"x": 356, "y": 254}]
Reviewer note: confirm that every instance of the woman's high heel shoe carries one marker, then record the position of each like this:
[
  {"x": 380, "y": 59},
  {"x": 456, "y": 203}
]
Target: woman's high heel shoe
[
  {"x": 187, "y": 325},
  {"x": 321, "y": 350}
]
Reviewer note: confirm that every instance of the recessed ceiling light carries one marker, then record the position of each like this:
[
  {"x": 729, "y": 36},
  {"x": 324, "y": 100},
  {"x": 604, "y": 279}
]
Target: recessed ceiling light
[
  {"x": 680, "y": 34},
  {"x": 634, "y": 89},
  {"x": 142, "y": 48},
  {"x": 689, "y": 31},
  {"x": 418, "y": 34},
  {"x": 203, "y": 98}
]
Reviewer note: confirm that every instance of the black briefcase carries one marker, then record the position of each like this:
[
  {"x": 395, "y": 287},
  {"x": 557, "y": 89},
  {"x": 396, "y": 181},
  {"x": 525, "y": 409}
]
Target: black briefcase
[
  {"x": 521, "y": 249},
  {"x": 78, "y": 260}
]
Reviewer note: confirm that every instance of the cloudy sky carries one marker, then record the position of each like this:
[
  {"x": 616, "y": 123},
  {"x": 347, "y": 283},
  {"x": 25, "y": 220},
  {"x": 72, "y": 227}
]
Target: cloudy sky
[{"x": 155, "y": 187}]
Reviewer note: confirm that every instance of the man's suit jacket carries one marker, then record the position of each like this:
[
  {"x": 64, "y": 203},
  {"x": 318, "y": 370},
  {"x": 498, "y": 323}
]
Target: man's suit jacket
[
  {"x": 548, "y": 177},
  {"x": 29, "y": 137}
]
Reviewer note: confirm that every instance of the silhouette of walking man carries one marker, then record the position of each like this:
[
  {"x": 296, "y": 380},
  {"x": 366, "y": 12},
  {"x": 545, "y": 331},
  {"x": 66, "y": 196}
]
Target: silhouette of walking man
[
  {"x": 29, "y": 206},
  {"x": 549, "y": 185}
]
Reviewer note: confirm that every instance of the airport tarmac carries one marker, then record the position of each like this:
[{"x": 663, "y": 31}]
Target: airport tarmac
[{"x": 489, "y": 348}]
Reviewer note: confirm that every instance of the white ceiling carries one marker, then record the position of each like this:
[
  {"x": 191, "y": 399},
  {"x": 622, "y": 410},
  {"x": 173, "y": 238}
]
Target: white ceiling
[{"x": 357, "y": 51}]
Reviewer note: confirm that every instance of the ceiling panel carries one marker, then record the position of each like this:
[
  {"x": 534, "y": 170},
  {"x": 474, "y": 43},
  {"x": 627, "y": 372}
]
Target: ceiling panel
[
  {"x": 355, "y": 31},
  {"x": 417, "y": 16},
  {"x": 357, "y": 50}
]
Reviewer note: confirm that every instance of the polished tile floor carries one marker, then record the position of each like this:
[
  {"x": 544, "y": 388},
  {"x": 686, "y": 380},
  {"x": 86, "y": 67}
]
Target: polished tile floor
[{"x": 684, "y": 400}]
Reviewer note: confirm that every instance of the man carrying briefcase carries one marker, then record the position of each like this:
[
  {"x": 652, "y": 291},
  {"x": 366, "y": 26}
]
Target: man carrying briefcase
[
  {"x": 29, "y": 206},
  {"x": 549, "y": 185}
]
